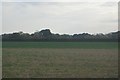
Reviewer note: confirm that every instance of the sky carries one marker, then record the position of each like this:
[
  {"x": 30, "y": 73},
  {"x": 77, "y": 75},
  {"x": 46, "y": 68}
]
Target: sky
[
  {"x": 60, "y": 0},
  {"x": 60, "y": 17}
]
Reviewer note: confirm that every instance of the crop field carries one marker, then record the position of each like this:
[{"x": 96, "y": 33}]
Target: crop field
[{"x": 60, "y": 60}]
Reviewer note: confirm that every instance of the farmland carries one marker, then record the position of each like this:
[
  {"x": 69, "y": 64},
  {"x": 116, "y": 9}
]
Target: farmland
[
  {"x": 83, "y": 45},
  {"x": 60, "y": 59}
]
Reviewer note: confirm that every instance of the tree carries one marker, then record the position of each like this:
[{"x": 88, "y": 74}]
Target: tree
[{"x": 45, "y": 33}]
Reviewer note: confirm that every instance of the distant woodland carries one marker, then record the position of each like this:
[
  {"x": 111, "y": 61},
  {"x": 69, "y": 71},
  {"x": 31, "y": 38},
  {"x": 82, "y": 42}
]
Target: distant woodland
[{"x": 46, "y": 35}]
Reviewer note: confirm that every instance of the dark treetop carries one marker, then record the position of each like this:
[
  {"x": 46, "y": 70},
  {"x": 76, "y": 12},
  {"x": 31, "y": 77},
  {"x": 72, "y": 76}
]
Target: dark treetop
[{"x": 46, "y": 35}]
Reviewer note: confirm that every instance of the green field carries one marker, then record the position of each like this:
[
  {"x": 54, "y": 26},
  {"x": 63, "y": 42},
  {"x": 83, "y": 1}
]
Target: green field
[
  {"x": 60, "y": 60},
  {"x": 82, "y": 45}
]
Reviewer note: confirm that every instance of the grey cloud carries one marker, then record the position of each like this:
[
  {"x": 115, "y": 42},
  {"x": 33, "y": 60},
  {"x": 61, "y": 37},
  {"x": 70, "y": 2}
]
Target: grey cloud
[
  {"x": 109, "y": 4},
  {"x": 59, "y": 17}
]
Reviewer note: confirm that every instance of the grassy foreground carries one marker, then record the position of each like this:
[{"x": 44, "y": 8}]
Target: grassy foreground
[{"x": 59, "y": 59}]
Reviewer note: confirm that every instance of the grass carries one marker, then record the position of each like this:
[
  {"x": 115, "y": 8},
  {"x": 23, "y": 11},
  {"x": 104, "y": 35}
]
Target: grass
[
  {"x": 47, "y": 63},
  {"x": 60, "y": 60},
  {"x": 83, "y": 45}
]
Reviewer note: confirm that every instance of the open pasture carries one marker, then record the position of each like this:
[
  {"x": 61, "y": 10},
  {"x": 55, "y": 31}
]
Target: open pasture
[
  {"x": 60, "y": 59},
  {"x": 80, "y": 45}
]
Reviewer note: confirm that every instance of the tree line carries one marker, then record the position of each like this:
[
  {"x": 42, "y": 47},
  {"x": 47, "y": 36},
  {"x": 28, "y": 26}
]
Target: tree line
[{"x": 46, "y": 35}]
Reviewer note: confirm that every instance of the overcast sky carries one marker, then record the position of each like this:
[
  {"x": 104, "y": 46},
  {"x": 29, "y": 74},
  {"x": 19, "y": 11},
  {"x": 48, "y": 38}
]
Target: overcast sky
[
  {"x": 60, "y": 0},
  {"x": 60, "y": 17}
]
